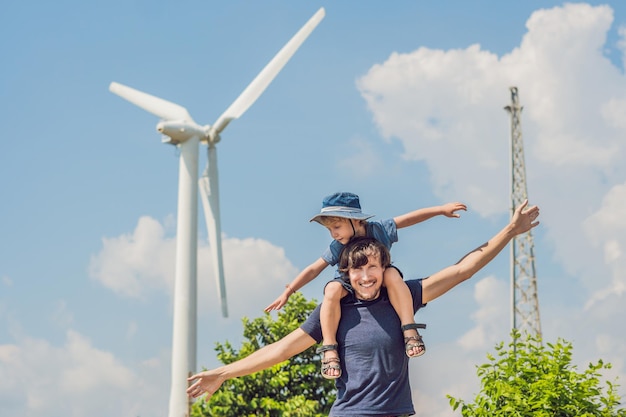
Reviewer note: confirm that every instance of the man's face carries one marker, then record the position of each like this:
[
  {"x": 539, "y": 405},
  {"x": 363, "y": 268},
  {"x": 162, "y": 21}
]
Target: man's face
[{"x": 366, "y": 280}]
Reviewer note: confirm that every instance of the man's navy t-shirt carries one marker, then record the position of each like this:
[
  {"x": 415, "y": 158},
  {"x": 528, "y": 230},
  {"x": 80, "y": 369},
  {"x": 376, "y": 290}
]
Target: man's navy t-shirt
[{"x": 375, "y": 374}]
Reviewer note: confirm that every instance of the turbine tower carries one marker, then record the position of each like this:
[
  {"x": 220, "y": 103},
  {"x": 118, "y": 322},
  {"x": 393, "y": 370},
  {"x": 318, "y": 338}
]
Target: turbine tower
[
  {"x": 524, "y": 299},
  {"x": 180, "y": 130}
]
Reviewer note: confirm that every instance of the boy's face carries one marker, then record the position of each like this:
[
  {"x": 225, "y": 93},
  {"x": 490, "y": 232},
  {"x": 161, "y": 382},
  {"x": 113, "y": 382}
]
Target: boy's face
[
  {"x": 367, "y": 279},
  {"x": 341, "y": 230}
]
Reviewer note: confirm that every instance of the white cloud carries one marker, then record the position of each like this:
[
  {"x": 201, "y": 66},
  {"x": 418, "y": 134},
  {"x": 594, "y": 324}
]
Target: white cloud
[
  {"x": 434, "y": 103},
  {"x": 621, "y": 43},
  {"x": 606, "y": 229},
  {"x": 135, "y": 264},
  {"x": 132, "y": 264},
  {"x": 613, "y": 113},
  {"x": 72, "y": 380},
  {"x": 256, "y": 272},
  {"x": 491, "y": 318}
]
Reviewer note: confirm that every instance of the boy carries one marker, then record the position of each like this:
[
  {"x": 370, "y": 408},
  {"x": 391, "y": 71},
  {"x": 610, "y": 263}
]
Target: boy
[{"x": 341, "y": 214}]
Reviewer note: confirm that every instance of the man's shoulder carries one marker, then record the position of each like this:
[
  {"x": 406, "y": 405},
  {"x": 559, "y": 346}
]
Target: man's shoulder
[{"x": 414, "y": 282}]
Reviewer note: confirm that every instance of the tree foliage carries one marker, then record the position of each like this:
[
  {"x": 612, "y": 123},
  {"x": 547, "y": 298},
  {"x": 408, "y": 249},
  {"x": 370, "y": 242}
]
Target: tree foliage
[
  {"x": 294, "y": 388},
  {"x": 528, "y": 379}
]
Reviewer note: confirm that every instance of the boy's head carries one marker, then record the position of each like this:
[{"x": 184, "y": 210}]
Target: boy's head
[
  {"x": 341, "y": 214},
  {"x": 343, "y": 205}
]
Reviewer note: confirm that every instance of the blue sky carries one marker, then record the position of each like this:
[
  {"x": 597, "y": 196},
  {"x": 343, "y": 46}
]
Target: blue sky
[{"x": 399, "y": 102}]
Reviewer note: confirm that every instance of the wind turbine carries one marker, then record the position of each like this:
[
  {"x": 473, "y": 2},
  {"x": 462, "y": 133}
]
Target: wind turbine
[{"x": 182, "y": 131}]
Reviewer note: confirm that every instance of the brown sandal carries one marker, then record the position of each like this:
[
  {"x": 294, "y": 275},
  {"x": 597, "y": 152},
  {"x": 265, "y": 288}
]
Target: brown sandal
[
  {"x": 411, "y": 342},
  {"x": 330, "y": 363}
]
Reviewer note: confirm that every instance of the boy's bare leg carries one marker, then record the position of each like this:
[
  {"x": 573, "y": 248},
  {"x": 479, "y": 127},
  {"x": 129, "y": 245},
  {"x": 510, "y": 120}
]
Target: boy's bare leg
[
  {"x": 330, "y": 314},
  {"x": 402, "y": 301}
]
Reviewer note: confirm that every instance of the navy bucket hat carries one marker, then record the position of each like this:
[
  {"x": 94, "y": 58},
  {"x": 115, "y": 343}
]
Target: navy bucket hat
[{"x": 342, "y": 204}]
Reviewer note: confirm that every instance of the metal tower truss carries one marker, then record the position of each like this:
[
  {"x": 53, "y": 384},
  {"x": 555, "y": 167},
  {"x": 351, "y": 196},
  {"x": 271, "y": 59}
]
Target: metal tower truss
[{"x": 524, "y": 299}]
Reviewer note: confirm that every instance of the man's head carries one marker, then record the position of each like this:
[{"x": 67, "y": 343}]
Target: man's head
[{"x": 363, "y": 261}]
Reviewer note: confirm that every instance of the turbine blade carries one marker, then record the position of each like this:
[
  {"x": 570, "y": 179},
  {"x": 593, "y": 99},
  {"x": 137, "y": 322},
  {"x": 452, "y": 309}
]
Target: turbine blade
[
  {"x": 208, "y": 184},
  {"x": 164, "y": 109},
  {"x": 265, "y": 77}
]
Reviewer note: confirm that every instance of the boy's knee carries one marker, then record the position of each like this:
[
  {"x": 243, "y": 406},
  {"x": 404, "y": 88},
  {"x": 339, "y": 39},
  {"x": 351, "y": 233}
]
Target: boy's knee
[
  {"x": 334, "y": 291},
  {"x": 393, "y": 276},
  {"x": 393, "y": 279}
]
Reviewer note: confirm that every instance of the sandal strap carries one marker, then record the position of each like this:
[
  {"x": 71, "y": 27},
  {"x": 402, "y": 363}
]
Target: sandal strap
[
  {"x": 331, "y": 364},
  {"x": 418, "y": 339},
  {"x": 324, "y": 348},
  {"x": 413, "y": 326}
]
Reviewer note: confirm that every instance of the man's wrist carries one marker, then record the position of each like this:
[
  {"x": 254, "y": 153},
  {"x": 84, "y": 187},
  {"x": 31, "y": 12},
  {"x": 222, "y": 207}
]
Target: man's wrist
[
  {"x": 511, "y": 230},
  {"x": 223, "y": 374}
]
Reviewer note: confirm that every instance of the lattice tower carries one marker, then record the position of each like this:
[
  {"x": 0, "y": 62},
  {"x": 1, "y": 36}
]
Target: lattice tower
[{"x": 524, "y": 299}]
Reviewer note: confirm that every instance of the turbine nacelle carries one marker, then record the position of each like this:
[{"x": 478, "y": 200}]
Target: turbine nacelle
[{"x": 179, "y": 131}]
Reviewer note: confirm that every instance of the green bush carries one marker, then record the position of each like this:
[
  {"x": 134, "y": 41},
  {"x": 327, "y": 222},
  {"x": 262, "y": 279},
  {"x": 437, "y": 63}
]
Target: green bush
[
  {"x": 528, "y": 379},
  {"x": 294, "y": 388}
]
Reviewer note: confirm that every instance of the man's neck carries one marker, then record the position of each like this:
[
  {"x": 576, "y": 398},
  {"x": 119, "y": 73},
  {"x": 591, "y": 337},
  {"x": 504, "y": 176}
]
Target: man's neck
[{"x": 376, "y": 297}]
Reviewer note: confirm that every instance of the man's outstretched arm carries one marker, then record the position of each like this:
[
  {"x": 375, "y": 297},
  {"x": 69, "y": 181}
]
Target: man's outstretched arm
[
  {"x": 211, "y": 380},
  {"x": 439, "y": 283}
]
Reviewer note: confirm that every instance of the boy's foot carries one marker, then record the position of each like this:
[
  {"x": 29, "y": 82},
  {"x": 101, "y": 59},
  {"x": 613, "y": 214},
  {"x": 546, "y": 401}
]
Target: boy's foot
[
  {"x": 413, "y": 343},
  {"x": 330, "y": 363}
]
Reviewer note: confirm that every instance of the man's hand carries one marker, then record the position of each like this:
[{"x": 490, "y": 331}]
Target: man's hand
[
  {"x": 524, "y": 218},
  {"x": 206, "y": 382}
]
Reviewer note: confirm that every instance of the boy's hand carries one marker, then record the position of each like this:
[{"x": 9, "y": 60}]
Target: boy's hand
[
  {"x": 278, "y": 303},
  {"x": 450, "y": 209}
]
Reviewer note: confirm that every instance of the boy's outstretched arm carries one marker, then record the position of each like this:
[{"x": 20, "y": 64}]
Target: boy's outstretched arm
[
  {"x": 440, "y": 282},
  {"x": 307, "y": 275},
  {"x": 210, "y": 381},
  {"x": 420, "y": 215}
]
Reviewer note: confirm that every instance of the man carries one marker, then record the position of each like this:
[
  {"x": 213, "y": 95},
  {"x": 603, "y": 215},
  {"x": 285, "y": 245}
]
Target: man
[{"x": 374, "y": 379}]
